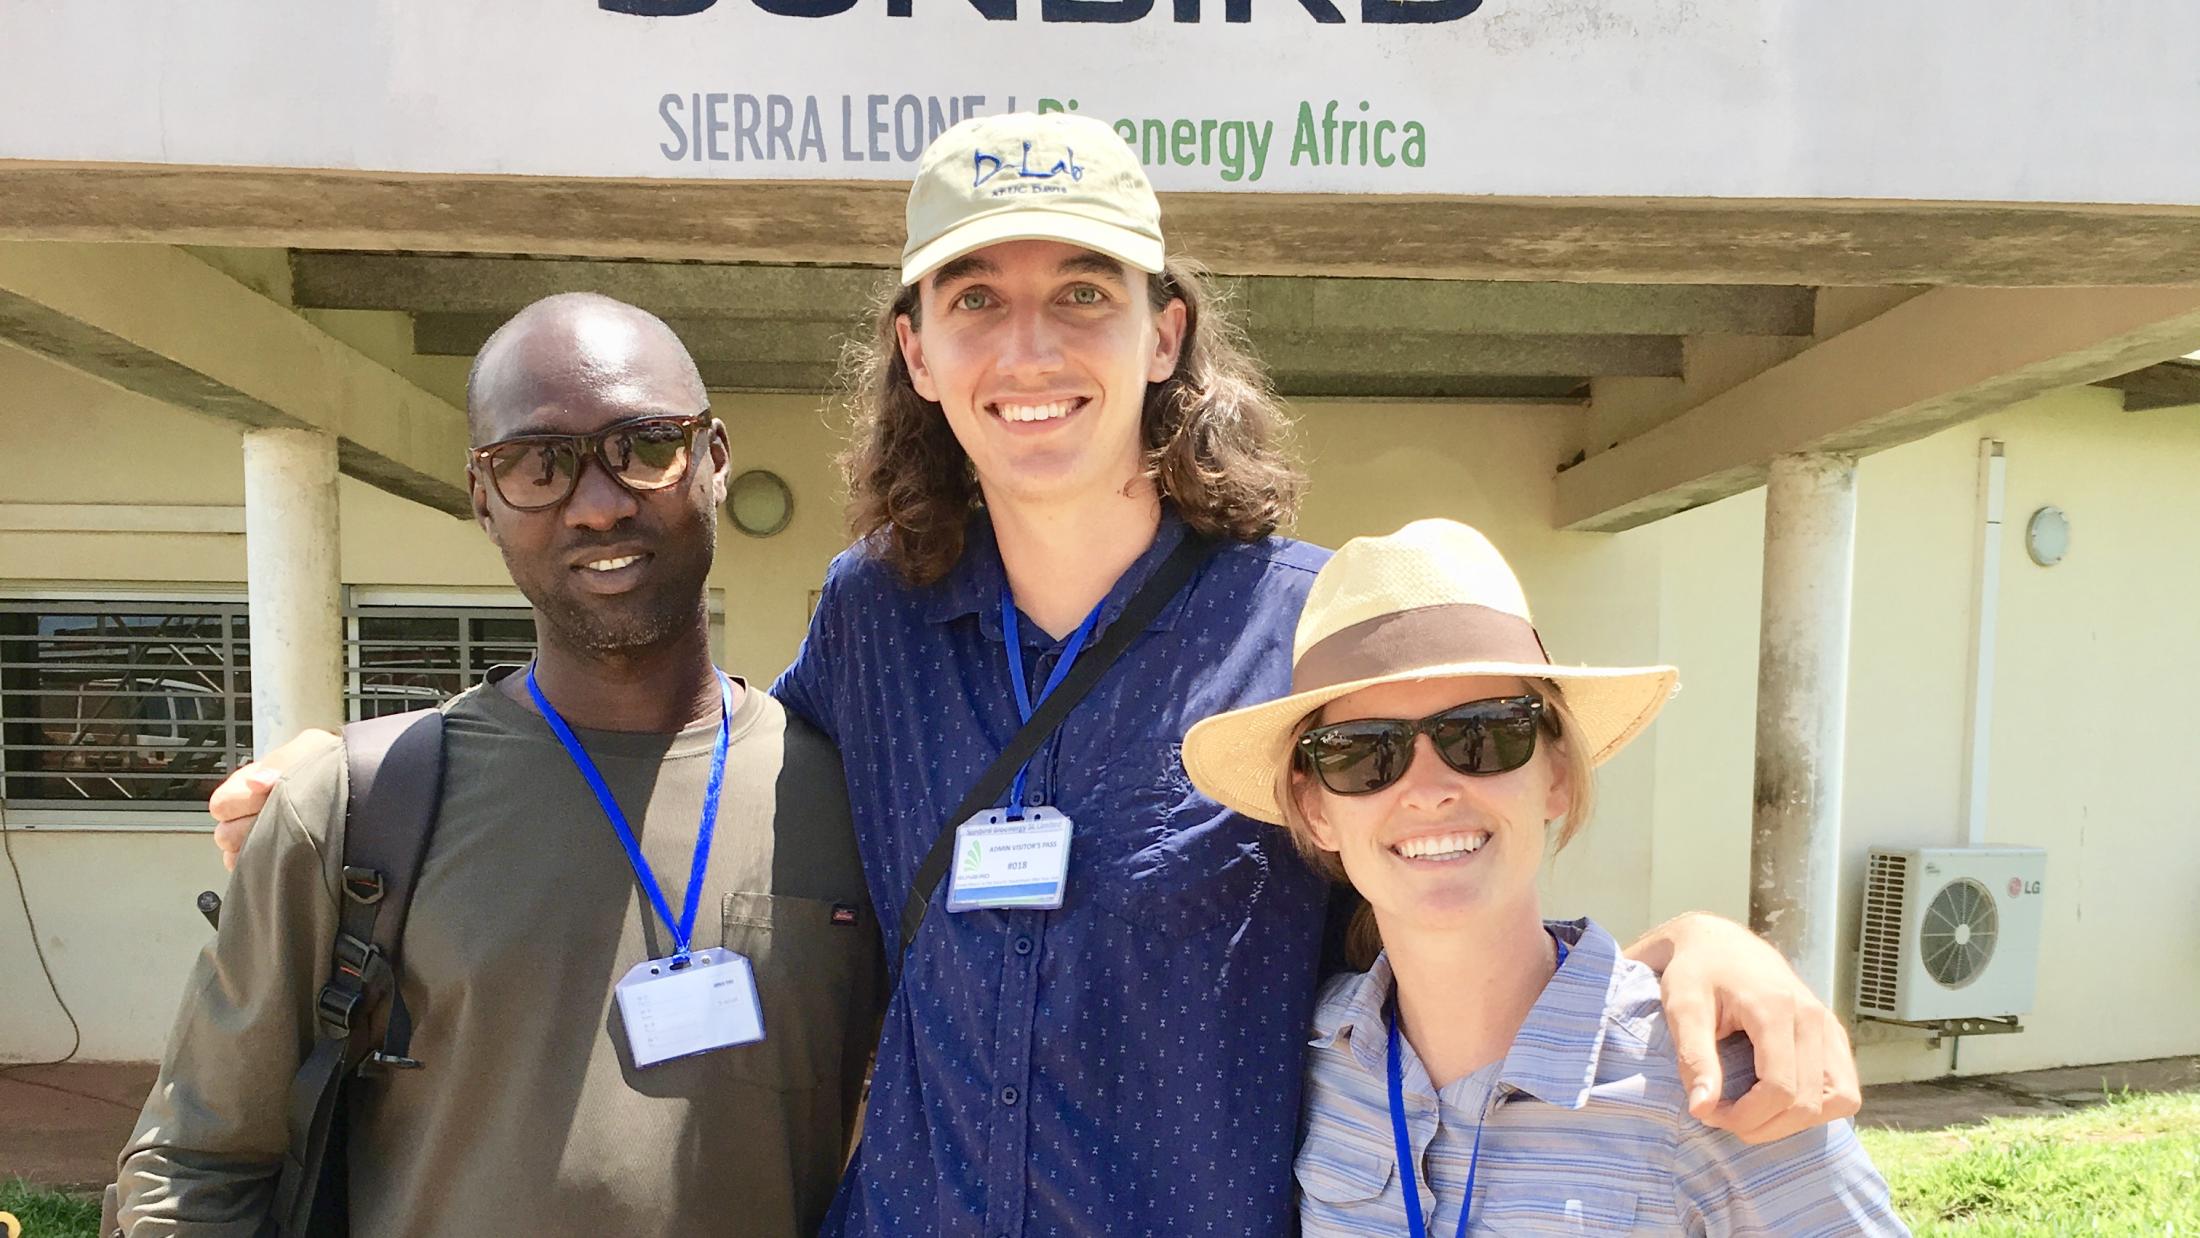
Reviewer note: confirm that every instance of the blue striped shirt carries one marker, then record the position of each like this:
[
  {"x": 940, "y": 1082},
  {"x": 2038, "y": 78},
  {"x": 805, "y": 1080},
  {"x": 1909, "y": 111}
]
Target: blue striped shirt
[{"x": 1587, "y": 1128}]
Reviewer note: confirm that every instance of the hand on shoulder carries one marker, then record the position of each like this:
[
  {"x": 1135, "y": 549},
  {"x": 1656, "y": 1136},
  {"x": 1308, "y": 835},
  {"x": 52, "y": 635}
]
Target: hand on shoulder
[
  {"x": 236, "y": 804},
  {"x": 1722, "y": 979}
]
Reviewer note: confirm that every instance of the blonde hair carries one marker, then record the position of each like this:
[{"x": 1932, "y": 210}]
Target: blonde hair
[{"x": 1362, "y": 940}]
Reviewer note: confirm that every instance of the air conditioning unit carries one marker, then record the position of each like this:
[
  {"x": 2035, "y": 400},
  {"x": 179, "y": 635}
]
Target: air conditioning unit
[{"x": 1950, "y": 933}]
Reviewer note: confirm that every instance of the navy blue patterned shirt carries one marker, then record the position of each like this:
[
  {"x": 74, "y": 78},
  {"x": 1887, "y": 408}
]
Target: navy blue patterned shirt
[{"x": 1130, "y": 1063}]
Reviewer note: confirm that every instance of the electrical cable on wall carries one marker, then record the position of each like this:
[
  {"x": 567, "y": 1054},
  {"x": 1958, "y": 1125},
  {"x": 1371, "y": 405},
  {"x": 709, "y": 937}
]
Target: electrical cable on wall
[{"x": 22, "y": 895}]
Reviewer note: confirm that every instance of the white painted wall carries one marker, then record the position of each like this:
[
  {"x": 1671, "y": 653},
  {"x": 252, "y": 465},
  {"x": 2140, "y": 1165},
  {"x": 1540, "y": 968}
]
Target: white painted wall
[
  {"x": 2096, "y": 673},
  {"x": 2091, "y": 730}
]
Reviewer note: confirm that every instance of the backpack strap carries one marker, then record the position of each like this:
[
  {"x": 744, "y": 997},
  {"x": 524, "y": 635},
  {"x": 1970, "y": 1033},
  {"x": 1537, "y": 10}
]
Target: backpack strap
[{"x": 394, "y": 780}]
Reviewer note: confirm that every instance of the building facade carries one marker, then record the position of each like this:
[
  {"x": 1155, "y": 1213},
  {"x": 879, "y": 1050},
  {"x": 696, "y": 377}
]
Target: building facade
[{"x": 1594, "y": 328}]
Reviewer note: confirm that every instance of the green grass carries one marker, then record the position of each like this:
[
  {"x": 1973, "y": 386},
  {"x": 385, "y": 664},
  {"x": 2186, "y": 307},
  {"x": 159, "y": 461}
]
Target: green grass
[
  {"x": 2130, "y": 1166},
  {"x": 49, "y": 1214}
]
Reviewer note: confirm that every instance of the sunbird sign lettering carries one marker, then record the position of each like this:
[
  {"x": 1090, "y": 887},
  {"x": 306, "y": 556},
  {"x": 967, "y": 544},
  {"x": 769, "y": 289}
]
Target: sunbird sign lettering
[{"x": 1095, "y": 12}]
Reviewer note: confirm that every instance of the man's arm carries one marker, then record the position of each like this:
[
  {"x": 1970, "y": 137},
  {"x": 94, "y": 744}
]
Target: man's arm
[
  {"x": 1718, "y": 978},
  {"x": 207, "y": 1148}
]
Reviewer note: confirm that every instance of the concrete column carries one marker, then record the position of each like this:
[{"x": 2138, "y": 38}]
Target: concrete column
[
  {"x": 295, "y": 590},
  {"x": 1802, "y": 705}
]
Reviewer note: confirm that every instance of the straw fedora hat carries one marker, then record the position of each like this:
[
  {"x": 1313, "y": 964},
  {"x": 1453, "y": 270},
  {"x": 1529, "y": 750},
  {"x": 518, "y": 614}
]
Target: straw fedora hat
[{"x": 1433, "y": 600}]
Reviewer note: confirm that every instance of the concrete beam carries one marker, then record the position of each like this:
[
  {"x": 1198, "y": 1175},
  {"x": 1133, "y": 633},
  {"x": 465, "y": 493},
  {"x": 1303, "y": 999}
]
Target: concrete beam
[
  {"x": 800, "y": 379},
  {"x": 1490, "y": 356},
  {"x": 157, "y": 321},
  {"x": 796, "y": 377},
  {"x": 1526, "y": 389},
  {"x": 1579, "y": 240},
  {"x": 735, "y": 343},
  {"x": 2172, "y": 384},
  {"x": 1942, "y": 358},
  {"x": 730, "y": 340},
  {"x": 496, "y": 286},
  {"x": 1502, "y": 307}
]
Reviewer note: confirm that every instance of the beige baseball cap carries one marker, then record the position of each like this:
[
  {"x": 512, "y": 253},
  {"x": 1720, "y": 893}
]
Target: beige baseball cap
[{"x": 1023, "y": 177}]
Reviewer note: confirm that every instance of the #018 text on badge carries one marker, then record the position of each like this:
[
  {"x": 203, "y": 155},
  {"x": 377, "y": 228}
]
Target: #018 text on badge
[{"x": 1010, "y": 862}]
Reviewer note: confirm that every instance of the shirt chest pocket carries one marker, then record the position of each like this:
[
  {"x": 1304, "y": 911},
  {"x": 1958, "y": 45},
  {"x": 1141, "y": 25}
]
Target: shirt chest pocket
[
  {"x": 1159, "y": 854},
  {"x": 1337, "y": 1173},
  {"x": 1342, "y": 1189},
  {"x": 816, "y": 962},
  {"x": 1555, "y": 1208}
]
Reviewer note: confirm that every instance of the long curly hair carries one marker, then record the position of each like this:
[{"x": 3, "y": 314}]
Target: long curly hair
[{"x": 1217, "y": 440}]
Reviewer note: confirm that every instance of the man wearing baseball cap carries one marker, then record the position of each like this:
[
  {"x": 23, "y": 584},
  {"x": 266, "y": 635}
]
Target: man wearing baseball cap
[
  {"x": 1066, "y": 478},
  {"x": 1103, "y": 1032}
]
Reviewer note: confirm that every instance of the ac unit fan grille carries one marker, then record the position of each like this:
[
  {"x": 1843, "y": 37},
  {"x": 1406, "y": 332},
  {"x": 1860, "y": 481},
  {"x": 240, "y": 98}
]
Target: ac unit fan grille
[
  {"x": 1885, "y": 882},
  {"x": 1957, "y": 938}
]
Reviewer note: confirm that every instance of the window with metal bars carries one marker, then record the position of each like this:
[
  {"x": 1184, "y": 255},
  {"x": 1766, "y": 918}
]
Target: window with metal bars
[
  {"x": 121, "y": 702},
  {"x": 120, "y": 705},
  {"x": 406, "y": 657}
]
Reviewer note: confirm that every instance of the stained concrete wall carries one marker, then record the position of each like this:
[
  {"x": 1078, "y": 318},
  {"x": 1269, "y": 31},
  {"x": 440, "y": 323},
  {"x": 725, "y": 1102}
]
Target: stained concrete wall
[{"x": 2093, "y": 672}]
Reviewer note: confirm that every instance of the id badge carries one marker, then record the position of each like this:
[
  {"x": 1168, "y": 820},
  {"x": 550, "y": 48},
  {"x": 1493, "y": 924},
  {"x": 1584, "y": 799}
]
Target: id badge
[
  {"x": 709, "y": 1004},
  {"x": 1003, "y": 863}
]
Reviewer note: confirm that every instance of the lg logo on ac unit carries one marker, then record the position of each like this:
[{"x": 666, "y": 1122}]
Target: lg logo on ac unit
[{"x": 2019, "y": 886}]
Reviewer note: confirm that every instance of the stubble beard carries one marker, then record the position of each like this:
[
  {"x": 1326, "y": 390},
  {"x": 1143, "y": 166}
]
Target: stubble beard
[
  {"x": 616, "y": 627},
  {"x": 618, "y": 631}
]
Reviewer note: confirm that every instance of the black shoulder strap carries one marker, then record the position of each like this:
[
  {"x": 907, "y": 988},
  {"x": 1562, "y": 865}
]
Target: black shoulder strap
[
  {"x": 1138, "y": 614},
  {"x": 394, "y": 779}
]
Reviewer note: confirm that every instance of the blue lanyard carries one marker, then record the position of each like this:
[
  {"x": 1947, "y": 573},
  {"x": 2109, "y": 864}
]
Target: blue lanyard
[
  {"x": 1011, "y": 633},
  {"x": 1404, "y": 1141},
  {"x": 683, "y": 929}
]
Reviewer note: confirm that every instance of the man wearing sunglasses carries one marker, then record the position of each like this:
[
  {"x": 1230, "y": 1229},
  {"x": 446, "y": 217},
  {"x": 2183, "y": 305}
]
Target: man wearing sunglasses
[
  {"x": 1050, "y": 412},
  {"x": 617, "y": 817}
]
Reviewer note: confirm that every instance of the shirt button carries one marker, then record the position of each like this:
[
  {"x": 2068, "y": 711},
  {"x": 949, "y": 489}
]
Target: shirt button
[
  {"x": 1023, "y": 945},
  {"x": 1010, "y": 1096},
  {"x": 1036, "y": 799}
]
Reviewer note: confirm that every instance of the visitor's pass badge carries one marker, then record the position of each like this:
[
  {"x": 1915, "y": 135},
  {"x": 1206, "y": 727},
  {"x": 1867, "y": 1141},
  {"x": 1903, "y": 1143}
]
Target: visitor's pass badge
[
  {"x": 1010, "y": 863},
  {"x": 670, "y": 1012}
]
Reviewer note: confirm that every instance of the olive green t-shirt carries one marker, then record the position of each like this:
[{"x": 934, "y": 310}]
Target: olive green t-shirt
[{"x": 527, "y": 1115}]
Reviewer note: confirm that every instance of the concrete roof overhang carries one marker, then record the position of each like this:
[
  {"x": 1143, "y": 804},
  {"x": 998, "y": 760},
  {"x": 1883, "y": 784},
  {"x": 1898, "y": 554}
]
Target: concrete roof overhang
[
  {"x": 781, "y": 328},
  {"x": 1703, "y": 337}
]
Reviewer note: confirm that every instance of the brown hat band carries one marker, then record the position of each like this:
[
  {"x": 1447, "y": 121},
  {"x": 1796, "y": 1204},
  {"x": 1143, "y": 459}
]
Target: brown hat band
[{"x": 1418, "y": 639}]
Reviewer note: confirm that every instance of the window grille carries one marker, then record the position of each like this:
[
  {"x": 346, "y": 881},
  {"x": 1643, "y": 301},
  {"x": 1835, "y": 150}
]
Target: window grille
[
  {"x": 121, "y": 702},
  {"x": 407, "y": 657},
  {"x": 122, "y": 705}
]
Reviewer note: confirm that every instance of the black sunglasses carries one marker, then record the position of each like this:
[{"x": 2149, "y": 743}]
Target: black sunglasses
[
  {"x": 533, "y": 471},
  {"x": 1480, "y": 738}
]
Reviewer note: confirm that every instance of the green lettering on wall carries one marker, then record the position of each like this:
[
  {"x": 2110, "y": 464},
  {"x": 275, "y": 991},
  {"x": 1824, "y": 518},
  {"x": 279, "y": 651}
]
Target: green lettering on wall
[{"x": 1306, "y": 139}]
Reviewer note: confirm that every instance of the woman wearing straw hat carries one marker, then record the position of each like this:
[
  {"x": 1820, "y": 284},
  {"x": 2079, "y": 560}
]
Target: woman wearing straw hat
[{"x": 1490, "y": 1070}]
